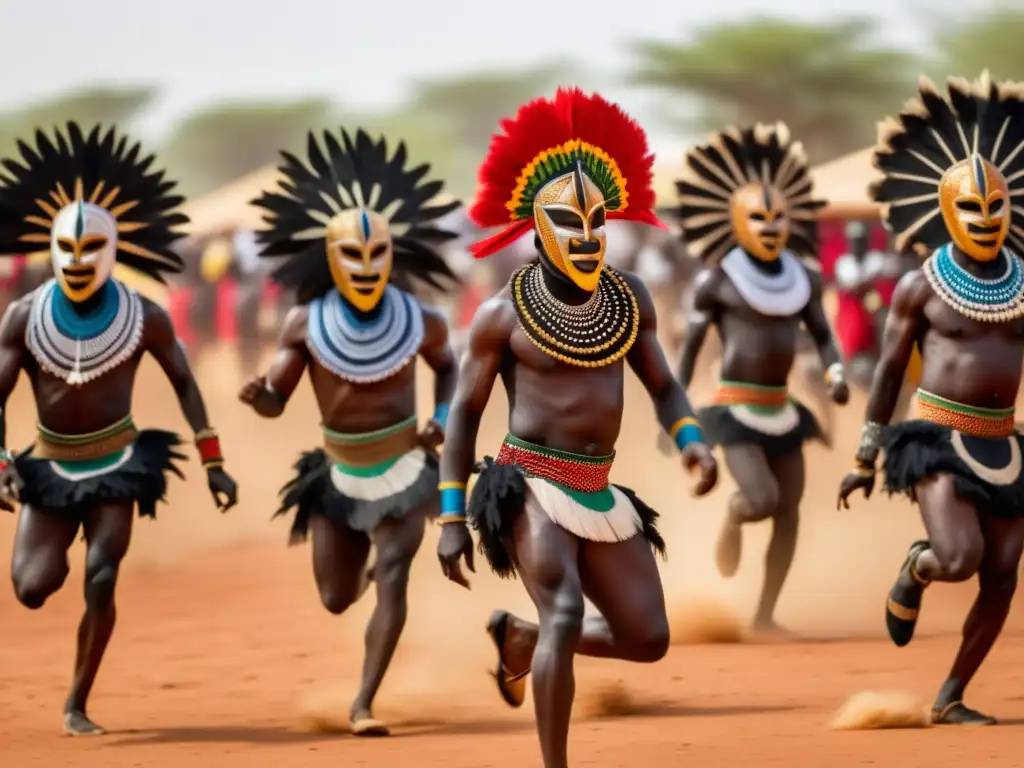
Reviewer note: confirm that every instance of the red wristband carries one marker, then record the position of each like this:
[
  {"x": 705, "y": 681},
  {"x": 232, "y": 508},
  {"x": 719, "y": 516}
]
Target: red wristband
[{"x": 208, "y": 445}]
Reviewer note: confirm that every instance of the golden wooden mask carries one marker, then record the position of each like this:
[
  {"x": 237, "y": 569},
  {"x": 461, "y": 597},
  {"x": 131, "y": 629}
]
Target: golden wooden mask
[
  {"x": 83, "y": 248},
  {"x": 975, "y": 203},
  {"x": 760, "y": 220},
  {"x": 569, "y": 215},
  {"x": 360, "y": 256}
]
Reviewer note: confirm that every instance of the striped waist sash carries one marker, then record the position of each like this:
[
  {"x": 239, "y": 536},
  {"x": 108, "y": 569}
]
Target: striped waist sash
[
  {"x": 369, "y": 449},
  {"x": 86, "y": 447},
  {"x": 968, "y": 419},
  {"x": 586, "y": 474},
  {"x": 756, "y": 396}
]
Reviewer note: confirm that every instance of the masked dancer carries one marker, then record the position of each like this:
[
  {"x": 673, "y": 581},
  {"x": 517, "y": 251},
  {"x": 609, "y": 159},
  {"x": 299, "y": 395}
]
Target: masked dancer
[
  {"x": 92, "y": 200},
  {"x": 951, "y": 169},
  {"x": 559, "y": 336},
  {"x": 747, "y": 209},
  {"x": 352, "y": 220}
]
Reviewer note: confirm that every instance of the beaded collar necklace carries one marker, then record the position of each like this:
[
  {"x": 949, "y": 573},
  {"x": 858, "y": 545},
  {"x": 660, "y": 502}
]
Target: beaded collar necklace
[
  {"x": 589, "y": 335},
  {"x": 79, "y": 347},
  {"x": 992, "y": 300},
  {"x": 361, "y": 350},
  {"x": 782, "y": 294}
]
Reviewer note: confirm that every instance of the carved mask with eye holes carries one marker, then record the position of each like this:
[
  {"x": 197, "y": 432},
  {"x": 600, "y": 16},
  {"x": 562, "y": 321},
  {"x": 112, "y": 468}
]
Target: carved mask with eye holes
[
  {"x": 569, "y": 215},
  {"x": 975, "y": 202},
  {"x": 760, "y": 220},
  {"x": 360, "y": 256},
  {"x": 83, "y": 249}
]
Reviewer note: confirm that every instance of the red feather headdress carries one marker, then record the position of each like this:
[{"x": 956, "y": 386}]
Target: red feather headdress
[{"x": 544, "y": 141}]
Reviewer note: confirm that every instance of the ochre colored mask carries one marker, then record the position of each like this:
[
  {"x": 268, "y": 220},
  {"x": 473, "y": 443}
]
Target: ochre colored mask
[
  {"x": 760, "y": 220},
  {"x": 975, "y": 203},
  {"x": 569, "y": 215},
  {"x": 360, "y": 256},
  {"x": 83, "y": 248}
]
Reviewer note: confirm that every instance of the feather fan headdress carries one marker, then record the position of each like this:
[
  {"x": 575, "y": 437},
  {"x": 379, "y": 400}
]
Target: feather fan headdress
[
  {"x": 103, "y": 169},
  {"x": 545, "y": 140},
  {"x": 932, "y": 134},
  {"x": 732, "y": 159},
  {"x": 347, "y": 174}
]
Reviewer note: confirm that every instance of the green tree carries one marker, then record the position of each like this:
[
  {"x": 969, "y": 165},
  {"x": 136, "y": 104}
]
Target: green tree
[
  {"x": 219, "y": 144},
  {"x": 467, "y": 107},
  {"x": 969, "y": 40},
  {"x": 830, "y": 83},
  {"x": 87, "y": 107}
]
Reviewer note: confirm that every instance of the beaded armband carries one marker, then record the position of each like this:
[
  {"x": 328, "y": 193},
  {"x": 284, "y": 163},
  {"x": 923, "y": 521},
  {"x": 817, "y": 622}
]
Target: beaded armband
[
  {"x": 686, "y": 431},
  {"x": 441, "y": 415},
  {"x": 453, "y": 502},
  {"x": 6, "y": 459},
  {"x": 870, "y": 442},
  {"x": 208, "y": 445},
  {"x": 835, "y": 374}
]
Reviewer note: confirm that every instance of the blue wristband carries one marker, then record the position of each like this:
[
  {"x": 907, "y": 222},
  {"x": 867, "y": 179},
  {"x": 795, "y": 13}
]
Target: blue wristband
[
  {"x": 441, "y": 415},
  {"x": 687, "y": 431},
  {"x": 453, "y": 499}
]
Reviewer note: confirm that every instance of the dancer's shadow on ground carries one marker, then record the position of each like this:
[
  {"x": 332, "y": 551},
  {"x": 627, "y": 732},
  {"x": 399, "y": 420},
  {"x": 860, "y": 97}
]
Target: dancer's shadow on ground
[{"x": 277, "y": 734}]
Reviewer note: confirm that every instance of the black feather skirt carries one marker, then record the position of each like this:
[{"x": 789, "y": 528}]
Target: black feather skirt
[
  {"x": 986, "y": 471},
  {"x": 499, "y": 497},
  {"x": 359, "y": 503},
  {"x": 138, "y": 473},
  {"x": 777, "y": 434}
]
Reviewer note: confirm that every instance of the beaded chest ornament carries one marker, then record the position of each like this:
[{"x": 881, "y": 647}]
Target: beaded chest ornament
[
  {"x": 994, "y": 300},
  {"x": 589, "y": 335},
  {"x": 76, "y": 347},
  {"x": 365, "y": 351}
]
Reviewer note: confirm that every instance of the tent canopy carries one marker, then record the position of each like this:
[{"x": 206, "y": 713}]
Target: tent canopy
[{"x": 844, "y": 183}]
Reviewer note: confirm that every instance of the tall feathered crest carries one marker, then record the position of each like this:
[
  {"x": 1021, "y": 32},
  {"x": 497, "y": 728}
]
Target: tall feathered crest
[
  {"x": 545, "y": 140},
  {"x": 732, "y": 159},
  {"x": 932, "y": 134},
  {"x": 102, "y": 168},
  {"x": 353, "y": 173}
]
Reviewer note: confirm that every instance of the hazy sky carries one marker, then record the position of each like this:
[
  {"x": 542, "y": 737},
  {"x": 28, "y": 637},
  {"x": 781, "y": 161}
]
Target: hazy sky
[{"x": 360, "y": 53}]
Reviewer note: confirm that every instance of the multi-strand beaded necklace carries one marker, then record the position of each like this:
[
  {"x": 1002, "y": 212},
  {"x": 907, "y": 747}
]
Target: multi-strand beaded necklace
[
  {"x": 79, "y": 347},
  {"x": 994, "y": 300},
  {"x": 361, "y": 350},
  {"x": 589, "y": 335}
]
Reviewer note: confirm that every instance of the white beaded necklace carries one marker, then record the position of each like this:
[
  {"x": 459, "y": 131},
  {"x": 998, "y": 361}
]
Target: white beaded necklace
[
  {"x": 81, "y": 359},
  {"x": 780, "y": 295}
]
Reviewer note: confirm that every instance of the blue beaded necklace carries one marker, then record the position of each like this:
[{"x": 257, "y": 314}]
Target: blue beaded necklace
[{"x": 994, "y": 300}]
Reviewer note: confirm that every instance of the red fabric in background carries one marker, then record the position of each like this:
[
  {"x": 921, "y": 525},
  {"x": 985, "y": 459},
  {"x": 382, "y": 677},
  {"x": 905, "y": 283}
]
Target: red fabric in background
[
  {"x": 854, "y": 325},
  {"x": 179, "y": 301},
  {"x": 226, "y": 319}
]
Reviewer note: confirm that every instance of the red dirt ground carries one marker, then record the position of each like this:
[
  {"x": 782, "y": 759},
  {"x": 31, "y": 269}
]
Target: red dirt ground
[{"x": 223, "y": 649}]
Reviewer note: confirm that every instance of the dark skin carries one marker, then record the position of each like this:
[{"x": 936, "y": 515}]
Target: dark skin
[
  {"x": 339, "y": 553},
  {"x": 968, "y": 362},
  {"x": 758, "y": 349},
  {"x": 40, "y": 563},
  {"x": 580, "y": 410}
]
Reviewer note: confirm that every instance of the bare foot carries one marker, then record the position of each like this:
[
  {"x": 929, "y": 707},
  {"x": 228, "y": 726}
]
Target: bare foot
[
  {"x": 729, "y": 549},
  {"x": 77, "y": 724},
  {"x": 362, "y": 723},
  {"x": 768, "y": 631},
  {"x": 955, "y": 713}
]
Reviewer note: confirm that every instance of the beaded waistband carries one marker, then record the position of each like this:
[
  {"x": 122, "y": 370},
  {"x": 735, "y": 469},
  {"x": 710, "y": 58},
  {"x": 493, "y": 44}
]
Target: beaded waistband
[
  {"x": 586, "y": 474},
  {"x": 367, "y": 449},
  {"x": 86, "y": 447},
  {"x": 969, "y": 419},
  {"x": 755, "y": 395}
]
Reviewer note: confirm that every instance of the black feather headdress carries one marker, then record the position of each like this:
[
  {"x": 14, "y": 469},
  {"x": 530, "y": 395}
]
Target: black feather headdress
[
  {"x": 347, "y": 174},
  {"x": 730, "y": 160},
  {"x": 932, "y": 134},
  {"x": 103, "y": 169}
]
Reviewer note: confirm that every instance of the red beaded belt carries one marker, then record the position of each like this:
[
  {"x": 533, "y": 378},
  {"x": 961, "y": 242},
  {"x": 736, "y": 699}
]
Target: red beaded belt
[{"x": 586, "y": 474}]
